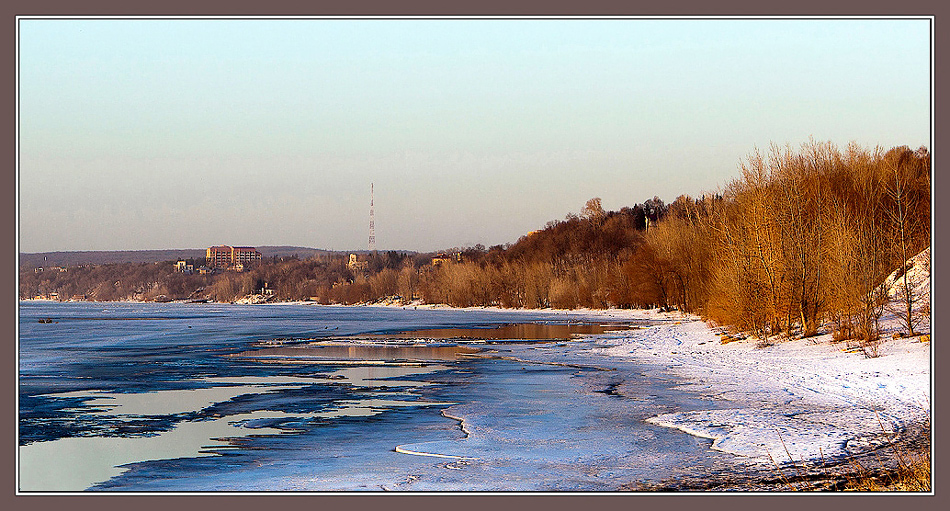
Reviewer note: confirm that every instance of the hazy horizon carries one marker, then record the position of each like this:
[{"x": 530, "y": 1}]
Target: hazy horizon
[{"x": 186, "y": 133}]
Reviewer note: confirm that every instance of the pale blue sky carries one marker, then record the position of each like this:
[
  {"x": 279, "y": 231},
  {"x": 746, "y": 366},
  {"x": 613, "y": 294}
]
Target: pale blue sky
[{"x": 147, "y": 134}]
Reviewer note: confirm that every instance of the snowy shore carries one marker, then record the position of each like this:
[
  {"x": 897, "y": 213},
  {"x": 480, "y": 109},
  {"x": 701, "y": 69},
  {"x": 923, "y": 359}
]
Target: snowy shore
[{"x": 806, "y": 398}]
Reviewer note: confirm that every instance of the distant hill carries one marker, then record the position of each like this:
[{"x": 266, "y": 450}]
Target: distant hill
[
  {"x": 285, "y": 251},
  {"x": 33, "y": 260}
]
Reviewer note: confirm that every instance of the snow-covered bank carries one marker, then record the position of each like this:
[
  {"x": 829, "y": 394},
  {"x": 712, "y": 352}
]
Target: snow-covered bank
[
  {"x": 806, "y": 395},
  {"x": 805, "y": 398}
]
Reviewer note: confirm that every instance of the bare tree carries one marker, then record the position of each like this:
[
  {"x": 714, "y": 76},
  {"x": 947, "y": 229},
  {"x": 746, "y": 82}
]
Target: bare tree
[
  {"x": 593, "y": 210},
  {"x": 905, "y": 227}
]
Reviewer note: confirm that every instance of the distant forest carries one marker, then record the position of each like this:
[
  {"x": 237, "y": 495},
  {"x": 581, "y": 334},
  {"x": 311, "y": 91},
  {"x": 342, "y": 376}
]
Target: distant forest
[{"x": 800, "y": 239}]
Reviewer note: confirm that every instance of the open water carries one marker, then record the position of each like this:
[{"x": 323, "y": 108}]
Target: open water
[{"x": 175, "y": 397}]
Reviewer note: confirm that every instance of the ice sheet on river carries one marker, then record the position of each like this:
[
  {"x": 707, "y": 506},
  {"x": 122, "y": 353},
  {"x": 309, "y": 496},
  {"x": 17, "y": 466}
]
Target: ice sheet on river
[{"x": 537, "y": 416}]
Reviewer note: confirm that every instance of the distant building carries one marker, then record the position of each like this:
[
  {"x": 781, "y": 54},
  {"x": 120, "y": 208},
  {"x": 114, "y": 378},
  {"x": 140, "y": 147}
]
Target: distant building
[
  {"x": 218, "y": 256},
  {"x": 183, "y": 267},
  {"x": 51, "y": 268},
  {"x": 244, "y": 255},
  {"x": 224, "y": 256},
  {"x": 355, "y": 264},
  {"x": 446, "y": 258}
]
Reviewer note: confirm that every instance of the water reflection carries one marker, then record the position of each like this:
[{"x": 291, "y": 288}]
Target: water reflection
[
  {"x": 514, "y": 331},
  {"x": 434, "y": 344}
]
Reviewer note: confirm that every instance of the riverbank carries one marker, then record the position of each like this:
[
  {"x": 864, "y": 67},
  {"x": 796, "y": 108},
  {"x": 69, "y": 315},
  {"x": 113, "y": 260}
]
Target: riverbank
[{"x": 802, "y": 407}]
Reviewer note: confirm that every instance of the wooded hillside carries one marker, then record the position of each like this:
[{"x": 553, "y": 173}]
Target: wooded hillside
[{"x": 801, "y": 238}]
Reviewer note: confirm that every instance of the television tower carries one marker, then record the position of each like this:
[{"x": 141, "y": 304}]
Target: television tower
[{"x": 372, "y": 226}]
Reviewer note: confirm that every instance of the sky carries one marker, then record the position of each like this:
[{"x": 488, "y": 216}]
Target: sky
[{"x": 140, "y": 134}]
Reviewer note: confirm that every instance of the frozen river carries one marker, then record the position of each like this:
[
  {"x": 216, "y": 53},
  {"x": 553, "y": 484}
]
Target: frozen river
[{"x": 299, "y": 397}]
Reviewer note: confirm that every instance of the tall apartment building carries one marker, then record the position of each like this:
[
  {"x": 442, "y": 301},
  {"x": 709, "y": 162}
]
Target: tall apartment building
[
  {"x": 218, "y": 256},
  {"x": 224, "y": 256},
  {"x": 244, "y": 255}
]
